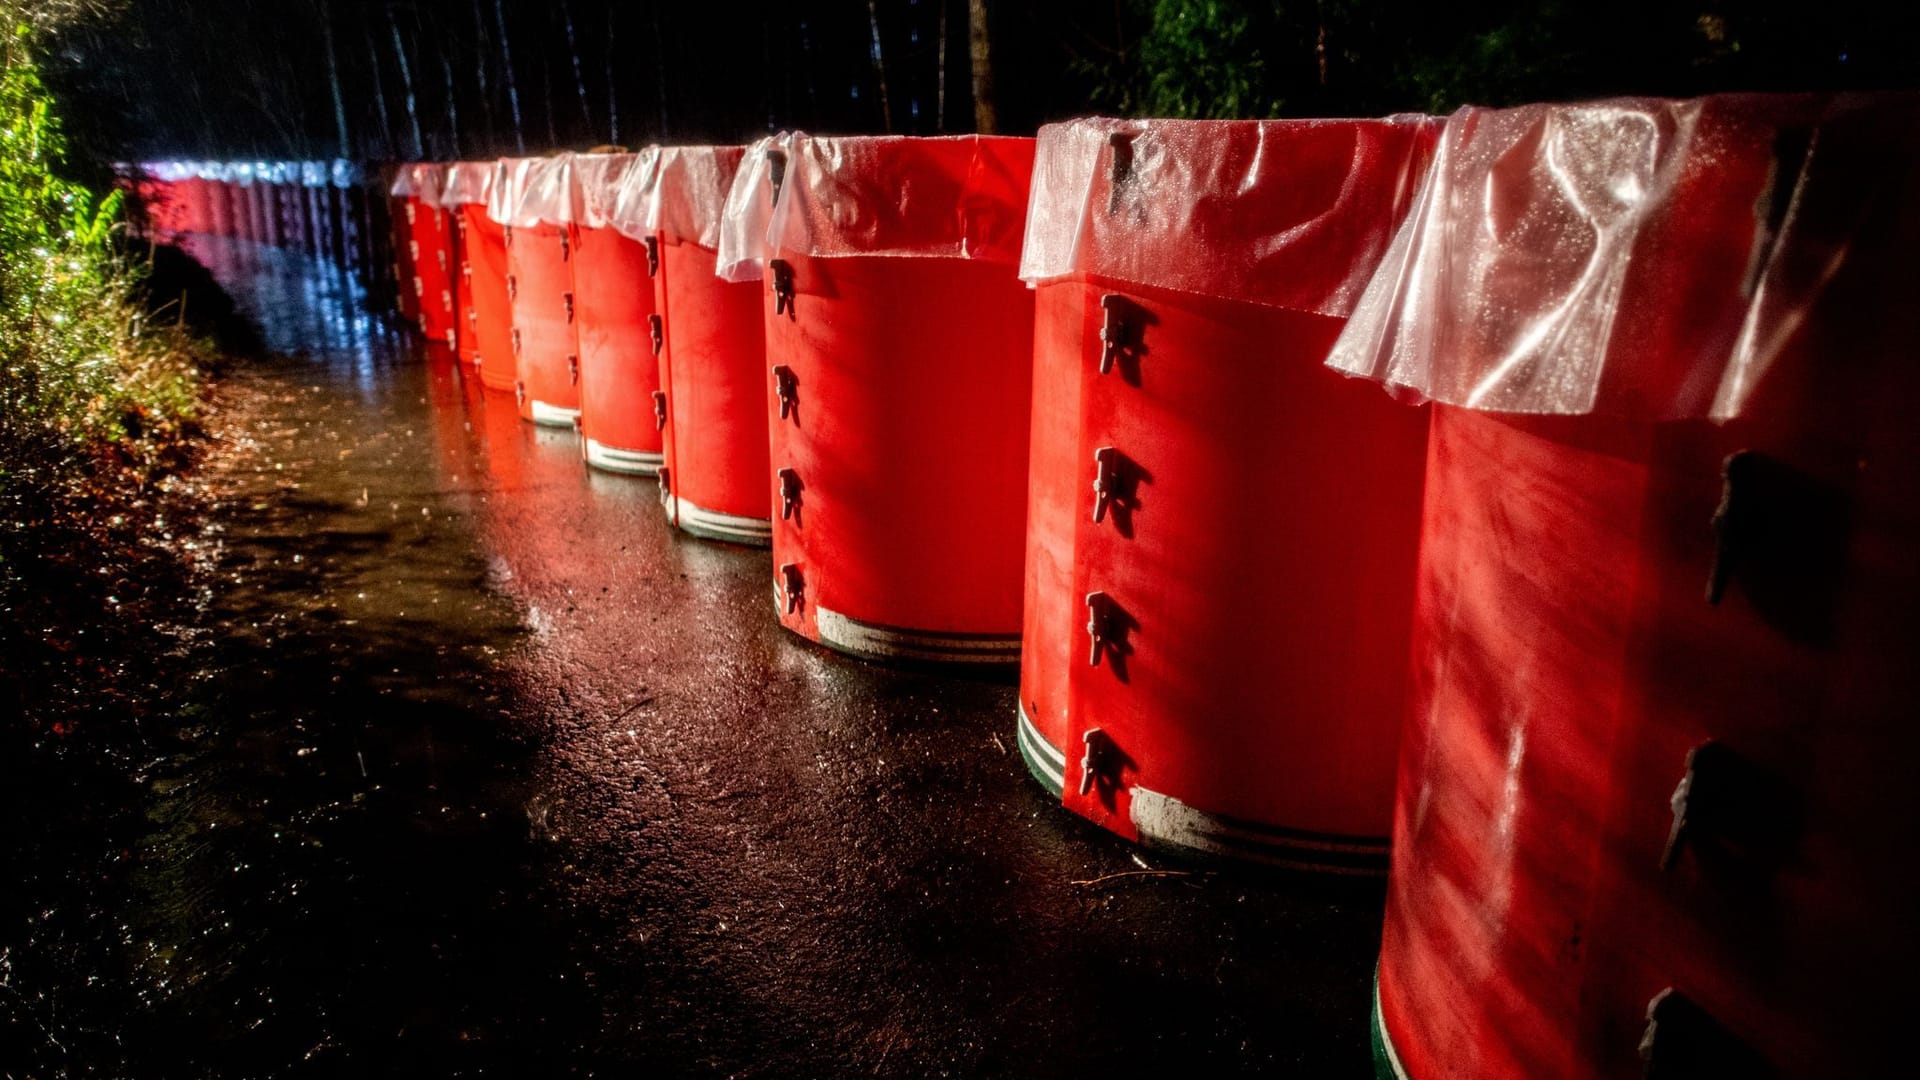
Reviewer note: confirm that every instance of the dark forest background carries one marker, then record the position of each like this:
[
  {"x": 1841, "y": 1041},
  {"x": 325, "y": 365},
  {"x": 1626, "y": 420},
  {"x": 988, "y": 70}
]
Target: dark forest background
[{"x": 440, "y": 79}]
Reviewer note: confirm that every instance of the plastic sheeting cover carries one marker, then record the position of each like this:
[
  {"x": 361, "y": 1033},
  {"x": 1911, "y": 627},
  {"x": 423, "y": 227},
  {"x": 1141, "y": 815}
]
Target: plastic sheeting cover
[
  {"x": 1639, "y": 258},
  {"x": 467, "y": 183},
  {"x": 532, "y": 191},
  {"x": 1287, "y": 213},
  {"x": 749, "y": 208},
  {"x": 957, "y": 197},
  {"x": 681, "y": 193},
  {"x": 420, "y": 180},
  {"x": 594, "y": 184}
]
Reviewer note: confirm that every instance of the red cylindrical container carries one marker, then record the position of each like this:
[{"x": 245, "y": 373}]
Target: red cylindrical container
[
  {"x": 319, "y": 229},
  {"x": 1221, "y": 533},
  {"x": 407, "y": 297},
  {"x": 900, "y": 345},
  {"x": 269, "y": 194},
  {"x": 484, "y": 252},
  {"x": 292, "y": 216},
  {"x": 256, "y": 205},
  {"x": 1654, "y": 817},
  {"x": 713, "y": 369},
  {"x": 614, "y": 310},
  {"x": 429, "y": 238},
  {"x": 219, "y": 202},
  {"x": 199, "y": 202},
  {"x": 526, "y": 195},
  {"x": 161, "y": 194},
  {"x": 466, "y": 320},
  {"x": 240, "y": 192}
]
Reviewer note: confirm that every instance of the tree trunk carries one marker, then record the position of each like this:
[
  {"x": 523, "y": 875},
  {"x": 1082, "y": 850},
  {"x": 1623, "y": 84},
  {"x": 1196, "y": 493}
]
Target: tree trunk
[
  {"x": 333, "y": 80},
  {"x": 880, "y": 67},
  {"x": 513, "y": 87},
  {"x": 940, "y": 82},
  {"x": 406, "y": 84},
  {"x": 985, "y": 120}
]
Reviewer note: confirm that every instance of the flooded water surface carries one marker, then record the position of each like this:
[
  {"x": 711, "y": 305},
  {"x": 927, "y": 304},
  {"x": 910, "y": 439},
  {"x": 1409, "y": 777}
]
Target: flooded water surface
[{"x": 484, "y": 770}]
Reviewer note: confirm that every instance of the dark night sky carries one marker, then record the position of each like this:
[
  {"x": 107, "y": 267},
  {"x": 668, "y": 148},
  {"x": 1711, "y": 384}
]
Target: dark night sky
[
  {"x": 238, "y": 78},
  {"x": 251, "y": 78}
]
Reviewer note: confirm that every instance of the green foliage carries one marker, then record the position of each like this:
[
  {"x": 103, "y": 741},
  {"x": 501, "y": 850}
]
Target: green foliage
[
  {"x": 1205, "y": 59},
  {"x": 1259, "y": 58},
  {"x": 87, "y": 387}
]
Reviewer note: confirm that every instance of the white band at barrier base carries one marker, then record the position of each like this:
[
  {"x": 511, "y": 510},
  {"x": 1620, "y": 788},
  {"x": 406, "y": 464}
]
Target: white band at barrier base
[
  {"x": 551, "y": 415},
  {"x": 1164, "y": 821},
  {"x": 1047, "y": 763},
  {"x": 613, "y": 459},
  {"x": 714, "y": 525},
  {"x": 895, "y": 643}
]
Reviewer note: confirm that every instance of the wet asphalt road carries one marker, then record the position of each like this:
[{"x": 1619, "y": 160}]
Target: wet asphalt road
[{"x": 493, "y": 773}]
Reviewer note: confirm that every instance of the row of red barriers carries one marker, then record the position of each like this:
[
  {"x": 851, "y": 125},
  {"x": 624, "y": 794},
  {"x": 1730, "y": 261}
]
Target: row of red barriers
[
  {"x": 323, "y": 208},
  {"x": 1640, "y": 507}
]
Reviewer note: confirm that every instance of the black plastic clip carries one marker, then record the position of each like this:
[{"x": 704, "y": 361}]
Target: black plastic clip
[
  {"x": 782, "y": 287},
  {"x": 786, "y": 388},
  {"x": 1121, "y": 143},
  {"x": 789, "y": 492},
  {"x": 776, "y": 172},
  {"x": 791, "y": 587}
]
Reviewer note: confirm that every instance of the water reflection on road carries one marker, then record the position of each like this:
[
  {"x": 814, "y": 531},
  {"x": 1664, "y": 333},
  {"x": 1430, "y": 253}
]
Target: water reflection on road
[{"x": 495, "y": 772}]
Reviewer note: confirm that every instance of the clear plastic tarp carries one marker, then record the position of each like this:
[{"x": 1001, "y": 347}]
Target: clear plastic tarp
[
  {"x": 681, "y": 194},
  {"x": 171, "y": 172},
  {"x": 1287, "y": 213},
  {"x": 467, "y": 183},
  {"x": 1640, "y": 258},
  {"x": 956, "y": 197},
  {"x": 419, "y": 180},
  {"x": 749, "y": 208},
  {"x": 595, "y": 183},
  {"x": 532, "y": 191}
]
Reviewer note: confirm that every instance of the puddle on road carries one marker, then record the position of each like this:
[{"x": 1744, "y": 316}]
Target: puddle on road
[{"x": 490, "y": 770}]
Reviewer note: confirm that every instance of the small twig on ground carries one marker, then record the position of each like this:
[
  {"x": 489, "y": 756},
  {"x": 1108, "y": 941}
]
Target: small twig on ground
[
  {"x": 629, "y": 710},
  {"x": 1104, "y": 878},
  {"x": 998, "y": 743}
]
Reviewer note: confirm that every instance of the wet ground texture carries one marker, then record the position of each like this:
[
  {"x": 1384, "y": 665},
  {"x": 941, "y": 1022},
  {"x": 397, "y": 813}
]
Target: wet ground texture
[{"x": 481, "y": 769}]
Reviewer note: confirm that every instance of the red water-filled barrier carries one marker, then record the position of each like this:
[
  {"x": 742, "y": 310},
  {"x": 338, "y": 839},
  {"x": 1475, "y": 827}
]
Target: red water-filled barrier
[
  {"x": 613, "y": 317},
  {"x": 1221, "y": 532},
  {"x": 489, "y": 316},
  {"x": 198, "y": 211},
  {"x": 256, "y": 207},
  {"x": 429, "y": 246},
  {"x": 900, "y": 345},
  {"x": 241, "y": 206},
  {"x": 219, "y": 203},
  {"x": 400, "y": 228},
  {"x": 539, "y": 287},
  {"x": 268, "y": 192},
  {"x": 1654, "y": 815},
  {"x": 162, "y": 194},
  {"x": 466, "y": 332},
  {"x": 713, "y": 369}
]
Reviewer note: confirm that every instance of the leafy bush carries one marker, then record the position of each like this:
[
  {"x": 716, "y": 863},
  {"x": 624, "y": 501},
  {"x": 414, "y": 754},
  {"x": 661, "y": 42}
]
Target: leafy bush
[
  {"x": 86, "y": 380},
  {"x": 97, "y": 394},
  {"x": 1260, "y": 58}
]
